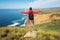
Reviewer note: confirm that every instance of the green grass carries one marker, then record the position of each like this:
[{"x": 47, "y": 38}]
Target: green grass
[
  {"x": 49, "y": 31},
  {"x": 57, "y": 15},
  {"x": 46, "y": 31},
  {"x": 54, "y": 25}
]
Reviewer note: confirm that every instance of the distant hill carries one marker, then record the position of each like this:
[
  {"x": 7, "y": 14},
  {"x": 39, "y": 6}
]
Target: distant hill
[{"x": 52, "y": 8}]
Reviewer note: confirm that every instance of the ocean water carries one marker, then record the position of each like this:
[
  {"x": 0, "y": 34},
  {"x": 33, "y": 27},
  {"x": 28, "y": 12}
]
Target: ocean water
[{"x": 12, "y": 17}]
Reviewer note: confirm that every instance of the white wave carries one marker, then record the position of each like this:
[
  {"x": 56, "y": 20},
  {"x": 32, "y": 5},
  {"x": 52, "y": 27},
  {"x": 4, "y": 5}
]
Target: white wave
[
  {"x": 17, "y": 22},
  {"x": 26, "y": 18},
  {"x": 23, "y": 25},
  {"x": 25, "y": 22},
  {"x": 14, "y": 24}
]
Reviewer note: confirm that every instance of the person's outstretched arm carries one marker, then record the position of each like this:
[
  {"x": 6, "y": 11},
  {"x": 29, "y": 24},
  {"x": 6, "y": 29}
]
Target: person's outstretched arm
[
  {"x": 24, "y": 12},
  {"x": 36, "y": 12}
]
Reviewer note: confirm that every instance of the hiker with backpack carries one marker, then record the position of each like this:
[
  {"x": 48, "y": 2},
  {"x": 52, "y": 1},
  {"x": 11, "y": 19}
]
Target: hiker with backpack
[{"x": 30, "y": 14}]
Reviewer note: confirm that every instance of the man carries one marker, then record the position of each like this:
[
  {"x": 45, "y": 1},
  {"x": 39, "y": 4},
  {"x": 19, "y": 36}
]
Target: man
[{"x": 30, "y": 14}]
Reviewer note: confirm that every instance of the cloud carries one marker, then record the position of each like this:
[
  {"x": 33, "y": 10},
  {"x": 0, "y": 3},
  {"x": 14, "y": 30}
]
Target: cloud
[
  {"x": 34, "y": 4},
  {"x": 44, "y": 3}
]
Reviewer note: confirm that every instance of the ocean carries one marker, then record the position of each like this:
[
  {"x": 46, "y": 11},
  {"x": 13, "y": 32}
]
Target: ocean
[{"x": 12, "y": 17}]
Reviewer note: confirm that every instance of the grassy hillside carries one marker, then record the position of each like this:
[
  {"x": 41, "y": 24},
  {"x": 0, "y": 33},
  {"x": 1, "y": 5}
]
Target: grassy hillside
[{"x": 46, "y": 30}]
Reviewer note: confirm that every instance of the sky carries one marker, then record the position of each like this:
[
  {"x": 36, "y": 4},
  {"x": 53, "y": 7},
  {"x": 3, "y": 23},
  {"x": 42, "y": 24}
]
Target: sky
[{"x": 18, "y": 4}]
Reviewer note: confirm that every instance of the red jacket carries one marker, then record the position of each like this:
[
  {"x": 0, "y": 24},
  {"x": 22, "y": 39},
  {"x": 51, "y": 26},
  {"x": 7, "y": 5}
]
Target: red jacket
[{"x": 30, "y": 11}]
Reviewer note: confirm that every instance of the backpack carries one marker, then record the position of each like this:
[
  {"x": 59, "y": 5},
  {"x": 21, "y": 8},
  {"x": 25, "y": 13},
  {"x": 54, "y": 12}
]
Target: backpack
[{"x": 31, "y": 16}]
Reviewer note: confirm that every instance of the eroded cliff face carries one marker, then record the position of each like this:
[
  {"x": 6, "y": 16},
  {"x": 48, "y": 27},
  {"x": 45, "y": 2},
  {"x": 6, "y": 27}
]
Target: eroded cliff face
[{"x": 43, "y": 18}]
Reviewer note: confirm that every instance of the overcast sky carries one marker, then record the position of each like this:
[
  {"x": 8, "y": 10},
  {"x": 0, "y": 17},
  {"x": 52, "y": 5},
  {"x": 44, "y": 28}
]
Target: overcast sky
[{"x": 17, "y": 4}]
